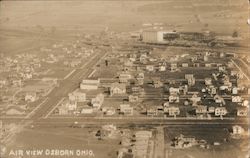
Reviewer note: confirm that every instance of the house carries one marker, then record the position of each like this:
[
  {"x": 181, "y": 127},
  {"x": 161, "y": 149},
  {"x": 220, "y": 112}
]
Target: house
[
  {"x": 213, "y": 90},
  {"x": 152, "y": 111},
  {"x": 173, "y": 99},
  {"x": 97, "y": 101},
  {"x": 90, "y": 84},
  {"x": 236, "y": 99},
  {"x": 173, "y": 67},
  {"x": 133, "y": 98},
  {"x": 137, "y": 90},
  {"x": 157, "y": 82},
  {"x": 124, "y": 77},
  {"x": 77, "y": 96},
  {"x": 208, "y": 65},
  {"x": 63, "y": 110},
  {"x": 87, "y": 110},
  {"x": 174, "y": 91},
  {"x": 242, "y": 111},
  {"x": 211, "y": 109},
  {"x": 30, "y": 97},
  {"x": 172, "y": 111},
  {"x": 15, "y": 110},
  {"x": 190, "y": 78},
  {"x": 162, "y": 68},
  {"x": 245, "y": 103},
  {"x": 143, "y": 58},
  {"x": 237, "y": 130},
  {"x": 108, "y": 111},
  {"x": 220, "y": 111},
  {"x": 201, "y": 109},
  {"x": 117, "y": 89},
  {"x": 126, "y": 109},
  {"x": 140, "y": 78},
  {"x": 150, "y": 68},
  {"x": 144, "y": 134},
  {"x": 184, "y": 142},
  {"x": 184, "y": 64},
  {"x": 70, "y": 105},
  {"x": 235, "y": 90}
]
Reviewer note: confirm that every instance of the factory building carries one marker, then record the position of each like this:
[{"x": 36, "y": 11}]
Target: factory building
[{"x": 161, "y": 37}]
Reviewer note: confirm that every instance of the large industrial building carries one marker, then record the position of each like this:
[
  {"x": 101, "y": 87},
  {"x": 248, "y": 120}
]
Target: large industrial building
[{"x": 161, "y": 37}]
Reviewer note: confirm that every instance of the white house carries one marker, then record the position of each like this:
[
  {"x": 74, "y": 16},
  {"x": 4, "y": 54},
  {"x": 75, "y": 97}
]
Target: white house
[
  {"x": 220, "y": 111},
  {"x": 172, "y": 111},
  {"x": 201, "y": 109},
  {"x": 90, "y": 84},
  {"x": 124, "y": 77},
  {"x": 150, "y": 67},
  {"x": 237, "y": 130},
  {"x": 70, "y": 105},
  {"x": 126, "y": 109},
  {"x": 97, "y": 101},
  {"x": 117, "y": 88},
  {"x": 174, "y": 99},
  {"x": 77, "y": 96}
]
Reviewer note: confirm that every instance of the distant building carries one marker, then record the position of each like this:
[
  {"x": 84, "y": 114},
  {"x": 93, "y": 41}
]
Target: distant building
[
  {"x": 137, "y": 90},
  {"x": 190, "y": 78},
  {"x": 77, "y": 96},
  {"x": 184, "y": 64},
  {"x": 201, "y": 109},
  {"x": 174, "y": 99},
  {"x": 237, "y": 130},
  {"x": 90, "y": 84},
  {"x": 184, "y": 142},
  {"x": 126, "y": 109},
  {"x": 172, "y": 111},
  {"x": 152, "y": 111},
  {"x": 173, "y": 67},
  {"x": 124, "y": 77},
  {"x": 220, "y": 111},
  {"x": 133, "y": 98},
  {"x": 153, "y": 36},
  {"x": 236, "y": 99},
  {"x": 211, "y": 109},
  {"x": 242, "y": 111},
  {"x": 69, "y": 105},
  {"x": 117, "y": 89},
  {"x": 150, "y": 67},
  {"x": 97, "y": 101},
  {"x": 174, "y": 91},
  {"x": 87, "y": 110},
  {"x": 140, "y": 78},
  {"x": 157, "y": 82},
  {"x": 162, "y": 68}
]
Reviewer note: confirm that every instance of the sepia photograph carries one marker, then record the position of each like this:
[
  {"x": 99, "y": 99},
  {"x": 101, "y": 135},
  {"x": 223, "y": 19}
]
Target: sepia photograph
[{"x": 124, "y": 78}]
